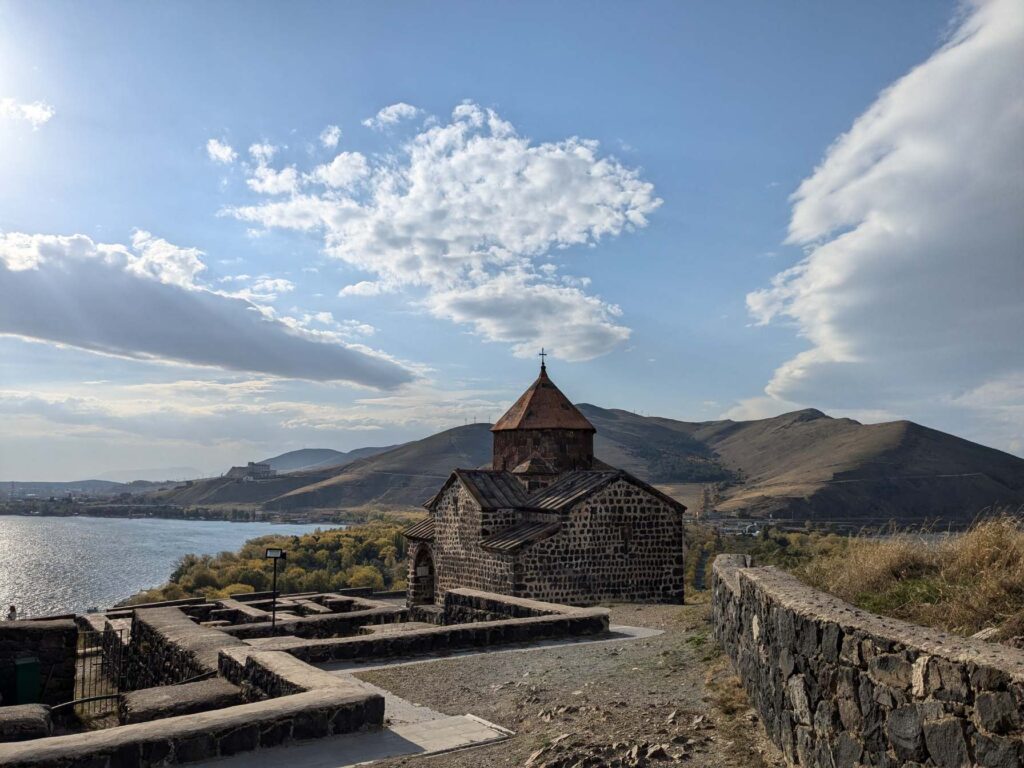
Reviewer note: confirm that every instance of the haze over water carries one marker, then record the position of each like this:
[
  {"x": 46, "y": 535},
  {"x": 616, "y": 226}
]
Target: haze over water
[{"x": 67, "y": 564}]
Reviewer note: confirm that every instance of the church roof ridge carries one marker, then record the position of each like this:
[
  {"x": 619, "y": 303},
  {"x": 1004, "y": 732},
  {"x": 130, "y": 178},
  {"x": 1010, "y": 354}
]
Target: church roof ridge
[{"x": 543, "y": 406}]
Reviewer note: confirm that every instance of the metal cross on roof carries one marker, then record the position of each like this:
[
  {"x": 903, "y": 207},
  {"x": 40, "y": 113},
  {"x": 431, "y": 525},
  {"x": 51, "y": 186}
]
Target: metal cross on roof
[{"x": 542, "y": 355}]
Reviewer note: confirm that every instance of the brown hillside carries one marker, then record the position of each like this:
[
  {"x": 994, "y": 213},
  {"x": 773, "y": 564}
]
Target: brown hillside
[
  {"x": 407, "y": 475},
  {"x": 794, "y": 466}
]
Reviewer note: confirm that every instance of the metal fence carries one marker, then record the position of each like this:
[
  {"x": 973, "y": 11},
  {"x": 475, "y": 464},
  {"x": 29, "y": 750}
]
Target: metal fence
[{"x": 99, "y": 672}]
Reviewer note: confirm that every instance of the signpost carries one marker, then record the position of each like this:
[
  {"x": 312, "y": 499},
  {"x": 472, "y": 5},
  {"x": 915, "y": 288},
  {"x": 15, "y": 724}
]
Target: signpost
[{"x": 275, "y": 554}]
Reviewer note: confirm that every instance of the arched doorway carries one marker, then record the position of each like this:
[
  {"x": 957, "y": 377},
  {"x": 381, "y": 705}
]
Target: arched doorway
[{"x": 421, "y": 590}]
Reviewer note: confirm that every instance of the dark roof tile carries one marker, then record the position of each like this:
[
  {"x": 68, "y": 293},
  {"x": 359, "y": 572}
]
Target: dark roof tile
[
  {"x": 493, "y": 489},
  {"x": 422, "y": 530},
  {"x": 543, "y": 406},
  {"x": 519, "y": 536}
]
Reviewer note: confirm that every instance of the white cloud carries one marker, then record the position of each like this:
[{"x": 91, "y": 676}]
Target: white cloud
[
  {"x": 469, "y": 211},
  {"x": 272, "y": 182},
  {"x": 267, "y": 180},
  {"x": 253, "y": 412},
  {"x": 364, "y": 288},
  {"x": 914, "y": 228},
  {"x": 221, "y": 152},
  {"x": 528, "y": 313},
  {"x": 391, "y": 115},
  {"x": 155, "y": 257},
  {"x": 37, "y": 113},
  {"x": 330, "y": 136},
  {"x": 261, "y": 289},
  {"x": 262, "y": 153},
  {"x": 342, "y": 172},
  {"x": 143, "y": 302},
  {"x": 273, "y": 285}
]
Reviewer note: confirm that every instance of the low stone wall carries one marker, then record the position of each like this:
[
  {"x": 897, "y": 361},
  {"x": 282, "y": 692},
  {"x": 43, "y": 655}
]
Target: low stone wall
[
  {"x": 172, "y": 700},
  {"x": 561, "y": 621},
  {"x": 463, "y": 606},
  {"x": 54, "y": 643},
  {"x": 838, "y": 687},
  {"x": 167, "y": 648},
  {"x": 237, "y": 613},
  {"x": 270, "y": 674},
  {"x": 327, "y": 625},
  {"x": 190, "y": 738},
  {"x": 25, "y": 721}
]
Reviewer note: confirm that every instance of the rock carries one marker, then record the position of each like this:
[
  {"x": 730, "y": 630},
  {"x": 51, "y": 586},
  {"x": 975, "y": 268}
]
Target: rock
[
  {"x": 903, "y": 727},
  {"x": 946, "y": 743},
  {"x": 796, "y": 688},
  {"x": 995, "y": 711},
  {"x": 995, "y": 752},
  {"x": 534, "y": 757},
  {"x": 919, "y": 677},
  {"x": 891, "y": 670},
  {"x": 657, "y": 752},
  {"x": 847, "y": 751}
]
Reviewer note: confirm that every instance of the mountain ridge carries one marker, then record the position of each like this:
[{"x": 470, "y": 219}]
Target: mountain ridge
[{"x": 798, "y": 465}]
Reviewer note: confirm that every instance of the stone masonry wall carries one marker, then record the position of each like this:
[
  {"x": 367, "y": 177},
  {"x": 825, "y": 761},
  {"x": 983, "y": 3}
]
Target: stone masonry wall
[
  {"x": 460, "y": 562},
  {"x": 621, "y": 543},
  {"x": 838, "y": 687},
  {"x": 464, "y": 606},
  {"x": 168, "y": 648},
  {"x": 564, "y": 449},
  {"x": 54, "y": 643}
]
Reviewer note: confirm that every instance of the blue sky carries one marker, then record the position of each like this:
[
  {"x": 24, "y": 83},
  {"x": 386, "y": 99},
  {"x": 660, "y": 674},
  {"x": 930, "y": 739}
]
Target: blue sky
[{"x": 667, "y": 196}]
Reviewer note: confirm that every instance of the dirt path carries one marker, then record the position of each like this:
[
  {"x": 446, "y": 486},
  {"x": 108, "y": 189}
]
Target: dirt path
[{"x": 669, "y": 699}]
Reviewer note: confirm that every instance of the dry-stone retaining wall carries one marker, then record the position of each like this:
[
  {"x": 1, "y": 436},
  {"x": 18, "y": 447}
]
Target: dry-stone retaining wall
[
  {"x": 837, "y": 687},
  {"x": 54, "y": 643}
]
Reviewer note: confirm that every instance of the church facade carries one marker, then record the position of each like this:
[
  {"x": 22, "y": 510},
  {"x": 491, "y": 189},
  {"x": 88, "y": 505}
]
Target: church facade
[{"x": 547, "y": 520}]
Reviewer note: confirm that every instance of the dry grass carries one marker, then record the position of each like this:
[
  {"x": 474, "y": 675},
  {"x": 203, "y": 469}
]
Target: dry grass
[{"x": 961, "y": 582}]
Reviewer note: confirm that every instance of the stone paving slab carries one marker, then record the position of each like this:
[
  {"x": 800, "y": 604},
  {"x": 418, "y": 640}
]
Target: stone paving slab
[{"x": 429, "y": 737}]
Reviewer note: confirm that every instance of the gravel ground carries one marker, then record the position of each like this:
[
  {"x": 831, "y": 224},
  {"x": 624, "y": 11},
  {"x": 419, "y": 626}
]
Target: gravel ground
[{"x": 669, "y": 699}]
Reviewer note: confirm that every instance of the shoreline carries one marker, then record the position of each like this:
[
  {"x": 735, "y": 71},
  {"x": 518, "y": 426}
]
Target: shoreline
[
  {"x": 55, "y": 564},
  {"x": 187, "y": 514}
]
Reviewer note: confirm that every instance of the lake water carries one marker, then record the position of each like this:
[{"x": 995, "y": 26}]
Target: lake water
[{"x": 68, "y": 564}]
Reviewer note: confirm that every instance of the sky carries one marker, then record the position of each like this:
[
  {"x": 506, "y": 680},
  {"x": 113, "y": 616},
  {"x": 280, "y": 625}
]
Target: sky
[{"x": 233, "y": 229}]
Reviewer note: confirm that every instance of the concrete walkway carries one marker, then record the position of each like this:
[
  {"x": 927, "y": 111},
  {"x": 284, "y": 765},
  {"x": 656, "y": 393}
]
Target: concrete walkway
[
  {"x": 410, "y": 729},
  {"x": 424, "y": 738}
]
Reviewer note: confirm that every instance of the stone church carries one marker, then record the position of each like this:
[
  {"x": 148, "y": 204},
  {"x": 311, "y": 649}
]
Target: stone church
[{"x": 546, "y": 520}]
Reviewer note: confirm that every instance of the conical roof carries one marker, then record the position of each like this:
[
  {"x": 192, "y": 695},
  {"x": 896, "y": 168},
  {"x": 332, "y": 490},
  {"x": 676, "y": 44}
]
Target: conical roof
[{"x": 543, "y": 406}]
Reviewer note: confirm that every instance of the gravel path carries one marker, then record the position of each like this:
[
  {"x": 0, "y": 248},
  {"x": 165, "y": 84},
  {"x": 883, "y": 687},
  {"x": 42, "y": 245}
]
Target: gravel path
[{"x": 658, "y": 701}]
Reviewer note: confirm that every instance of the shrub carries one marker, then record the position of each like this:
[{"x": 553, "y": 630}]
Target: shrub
[
  {"x": 370, "y": 555},
  {"x": 958, "y": 582}
]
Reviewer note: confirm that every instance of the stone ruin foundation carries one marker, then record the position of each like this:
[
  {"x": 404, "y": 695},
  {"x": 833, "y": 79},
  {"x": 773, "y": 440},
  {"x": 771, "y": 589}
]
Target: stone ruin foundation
[{"x": 202, "y": 679}]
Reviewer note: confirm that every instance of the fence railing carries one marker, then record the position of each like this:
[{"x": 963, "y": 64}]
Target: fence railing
[{"x": 99, "y": 672}]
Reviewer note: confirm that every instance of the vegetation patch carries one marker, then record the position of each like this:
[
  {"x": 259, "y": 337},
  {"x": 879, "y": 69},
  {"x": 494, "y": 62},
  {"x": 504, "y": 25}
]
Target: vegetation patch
[
  {"x": 369, "y": 555},
  {"x": 961, "y": 583}
]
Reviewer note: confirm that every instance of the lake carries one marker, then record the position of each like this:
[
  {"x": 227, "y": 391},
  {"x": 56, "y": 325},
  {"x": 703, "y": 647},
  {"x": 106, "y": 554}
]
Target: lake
[{"x": 67, "y": 564}]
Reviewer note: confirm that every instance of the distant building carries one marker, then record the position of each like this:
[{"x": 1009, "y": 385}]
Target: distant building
[
  {"x": 546, "y": 520},
  {"x": 253, "y": 471}
]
